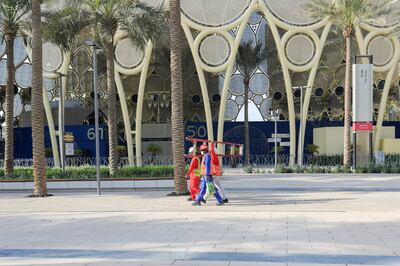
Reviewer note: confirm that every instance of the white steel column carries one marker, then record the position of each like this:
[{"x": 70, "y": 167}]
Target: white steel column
[
  {"x": 125, "y": 116},
  {"x": 382, "y": 108},
  {"x": 202, "y": 80},
  {"x": 139, "y": 107},
  {"x": 310, "y": 85}
]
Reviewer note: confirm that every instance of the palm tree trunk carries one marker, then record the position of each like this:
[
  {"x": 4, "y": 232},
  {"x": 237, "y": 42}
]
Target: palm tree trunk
[
  {"x": 9, "y": 108},
  {"x": 38, "y": 149},
  {"x": 177, "y": 97},
  {"x": 246, "y": 122},
  {"x": 347, "y": 104},
  {"x": 112, "y": 110}
]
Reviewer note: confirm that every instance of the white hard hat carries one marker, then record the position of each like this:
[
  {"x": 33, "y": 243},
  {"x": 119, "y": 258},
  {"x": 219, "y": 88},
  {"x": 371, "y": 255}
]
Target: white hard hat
[{"x": 191, "y": 149}]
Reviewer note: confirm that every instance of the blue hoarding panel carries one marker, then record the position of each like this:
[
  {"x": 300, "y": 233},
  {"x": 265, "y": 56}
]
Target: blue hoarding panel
[{"x": 83, "y": 140}]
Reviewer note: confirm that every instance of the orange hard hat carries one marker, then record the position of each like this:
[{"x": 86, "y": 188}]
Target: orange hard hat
[{"x": 203, "y": 147}]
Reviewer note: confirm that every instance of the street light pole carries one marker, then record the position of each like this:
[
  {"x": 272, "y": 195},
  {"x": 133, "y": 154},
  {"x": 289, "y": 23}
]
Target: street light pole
[
  {"x": 96, "y": 112},
  {"x": 62, "y": 124},
  {"x": 61, "y": 121},
  {"x": 275, "y": 115},
  {"x": 276, "y": 142}
]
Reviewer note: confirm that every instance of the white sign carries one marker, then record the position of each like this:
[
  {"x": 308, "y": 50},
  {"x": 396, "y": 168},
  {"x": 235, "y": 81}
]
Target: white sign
[
  {"x": 69, "y": 149},
  {"x": 285, "y": 144},
  {"x": 283, "y": 136},
  {"x": 362, "y": 92},
  {"x": 273, "y": 140}
]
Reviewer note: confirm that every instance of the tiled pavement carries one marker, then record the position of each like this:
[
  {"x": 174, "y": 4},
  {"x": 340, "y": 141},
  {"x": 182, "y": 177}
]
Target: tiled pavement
[{"x": 270, "y": 220}]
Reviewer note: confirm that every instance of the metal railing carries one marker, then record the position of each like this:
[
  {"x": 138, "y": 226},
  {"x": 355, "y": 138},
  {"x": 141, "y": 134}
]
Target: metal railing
[
  {"x": 82, "y": 161},
  {"x": 267, "y": 161}
]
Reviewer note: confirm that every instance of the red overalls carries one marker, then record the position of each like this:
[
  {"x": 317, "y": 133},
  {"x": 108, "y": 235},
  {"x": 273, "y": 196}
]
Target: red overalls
[{"x": 194, "y": 176}]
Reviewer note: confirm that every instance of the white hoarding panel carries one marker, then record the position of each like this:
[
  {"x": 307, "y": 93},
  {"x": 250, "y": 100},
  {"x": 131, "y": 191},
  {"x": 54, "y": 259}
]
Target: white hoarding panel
[
  {"x": 69, "y": 149},
  {"x": 283, "y": 136},
  {"x": 272, "y": 140}
]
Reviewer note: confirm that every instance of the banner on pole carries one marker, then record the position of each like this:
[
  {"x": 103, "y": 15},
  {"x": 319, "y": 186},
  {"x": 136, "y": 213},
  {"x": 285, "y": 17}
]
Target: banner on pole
[{"x": 362, "y": 96}]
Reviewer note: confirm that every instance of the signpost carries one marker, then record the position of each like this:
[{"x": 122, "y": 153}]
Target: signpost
[
  {"x": 69, "y": 144},
  {"x": 362, "y": 106},
  {"x": 275, "y": 116}
]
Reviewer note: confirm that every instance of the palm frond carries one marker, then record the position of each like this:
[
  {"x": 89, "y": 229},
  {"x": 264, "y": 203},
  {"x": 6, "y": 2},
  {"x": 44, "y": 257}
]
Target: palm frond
[
  {"x": 13, "y": 13},
  {"x": 63, "y": 26},
  {"x": 249, "y": 57},
  {"x": 348, "y": 14},
  {"x": 144, "y": 22}
]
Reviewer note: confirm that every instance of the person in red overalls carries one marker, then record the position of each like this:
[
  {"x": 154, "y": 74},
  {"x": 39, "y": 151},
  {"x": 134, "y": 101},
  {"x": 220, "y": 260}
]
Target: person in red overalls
[
  {"x": 218, "y": 173},
  {"x": 194, "y": 174}
]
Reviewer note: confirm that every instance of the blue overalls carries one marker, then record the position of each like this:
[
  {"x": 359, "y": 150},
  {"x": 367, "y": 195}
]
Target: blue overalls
[{"x": 206, "y": 172}]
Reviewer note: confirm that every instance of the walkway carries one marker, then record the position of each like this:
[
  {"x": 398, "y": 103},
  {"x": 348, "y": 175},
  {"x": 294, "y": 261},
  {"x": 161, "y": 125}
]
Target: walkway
[{"x": 270, "y": 220}]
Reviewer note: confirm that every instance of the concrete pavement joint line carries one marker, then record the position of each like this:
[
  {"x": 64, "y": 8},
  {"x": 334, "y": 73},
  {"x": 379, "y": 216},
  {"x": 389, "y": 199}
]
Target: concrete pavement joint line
[
  {"x": 196, "y": 256},
  {"x": 175, "y": 211},
  {"x": 313, "y": 189}
]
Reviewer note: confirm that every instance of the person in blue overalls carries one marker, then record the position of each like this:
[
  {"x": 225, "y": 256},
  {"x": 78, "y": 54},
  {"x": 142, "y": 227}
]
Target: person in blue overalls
[{"x": 207, "y": 172}]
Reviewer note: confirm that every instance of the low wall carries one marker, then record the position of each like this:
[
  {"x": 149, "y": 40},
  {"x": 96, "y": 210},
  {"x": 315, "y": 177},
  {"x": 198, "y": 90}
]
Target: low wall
[
  {"x": 330, "y": 139},
  {"x": 90, "y": 184}
]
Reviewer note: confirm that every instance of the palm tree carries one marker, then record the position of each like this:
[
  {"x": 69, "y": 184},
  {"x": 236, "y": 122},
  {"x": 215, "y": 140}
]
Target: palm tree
[
  {"x": 62, "y": 27},
  {"x": 248, "y": 59},
  {"x": 38, "y": 149},
  {"x": 177, "y": 98},
  {"x": 12, "y": 14},
  {"x": 140, "y": 21},
  {"x": 347, "y": 15}
]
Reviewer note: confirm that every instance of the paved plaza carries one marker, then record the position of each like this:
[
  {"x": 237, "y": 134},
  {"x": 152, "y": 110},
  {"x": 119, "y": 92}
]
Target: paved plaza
[{"x": 271, "y": 220}]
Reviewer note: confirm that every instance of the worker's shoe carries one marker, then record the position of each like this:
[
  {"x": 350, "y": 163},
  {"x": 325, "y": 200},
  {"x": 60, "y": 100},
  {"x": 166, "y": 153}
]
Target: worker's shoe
[
  {"x": 196, "y": 203},
  {"x": 204, "y": 201},
  {"x": 225, "y": 201},
  {"x": 190, "y": 199}
]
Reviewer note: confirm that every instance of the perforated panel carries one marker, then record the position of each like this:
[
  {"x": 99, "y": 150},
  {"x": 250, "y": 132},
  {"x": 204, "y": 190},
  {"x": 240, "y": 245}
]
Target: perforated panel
[
  {"x": 240, "y": 100},
  {"x": 52, "y": 57},
  {"x": 258, "y": 99},
  {"x": 231, "y": 111},
  {"x": 382, "y": 49},
  {"x": 19, "y": 51},
  {"x": 290, "y": 11},
  {"x": 300, "y": 49},
  {"x": 2, "y": 46},
  {"x": 18, "y": 106},
  {"x": 265, "y": 107},
  {"x": 236, "y": 85},
  {"x": 389, "y": 20},
  {"x": 48, "y": 84},
  {"x": 23, "y": 75},
  {"x": 259, "y": 83},
  {"x": 127, "y": 55},
  {"x": 214, "y": 50},
  {"x": 214, "y": 12},
  {"x": 3, "y": 71}
]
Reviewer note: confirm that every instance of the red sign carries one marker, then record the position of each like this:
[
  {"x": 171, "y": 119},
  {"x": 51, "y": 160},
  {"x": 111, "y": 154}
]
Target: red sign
[{"x": 363, "y": 126}]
